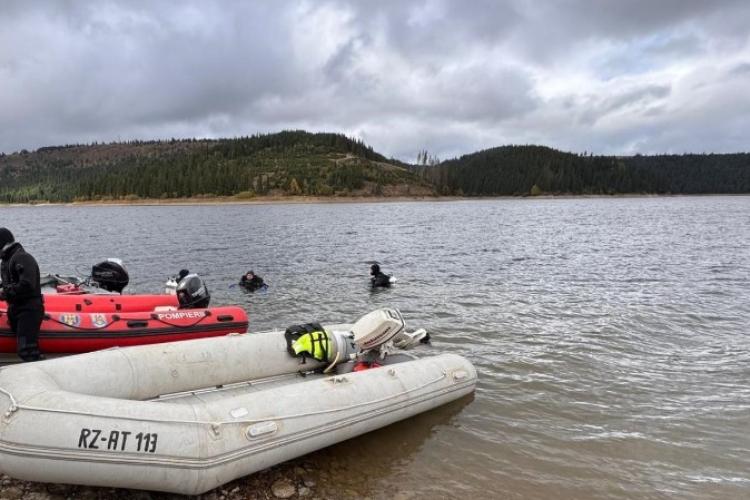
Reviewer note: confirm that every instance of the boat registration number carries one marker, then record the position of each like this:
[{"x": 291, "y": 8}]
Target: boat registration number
[{"x": 98, "y": 439}]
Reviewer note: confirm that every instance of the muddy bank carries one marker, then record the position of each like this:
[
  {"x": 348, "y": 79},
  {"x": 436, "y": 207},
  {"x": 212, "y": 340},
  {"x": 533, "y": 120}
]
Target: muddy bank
[{"x": 297, "y": 479}]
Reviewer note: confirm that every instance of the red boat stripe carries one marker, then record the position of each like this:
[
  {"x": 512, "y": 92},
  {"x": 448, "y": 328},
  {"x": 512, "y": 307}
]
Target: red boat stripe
[{"x": 57, "y": 334}]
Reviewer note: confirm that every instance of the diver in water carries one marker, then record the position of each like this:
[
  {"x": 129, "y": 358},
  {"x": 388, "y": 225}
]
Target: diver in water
[
  {"x": 22, "y": 290},
  {"x": 173, "y": 282},
  {"x": 252, "y": 282},
  {"x": 379, "y": 278}
]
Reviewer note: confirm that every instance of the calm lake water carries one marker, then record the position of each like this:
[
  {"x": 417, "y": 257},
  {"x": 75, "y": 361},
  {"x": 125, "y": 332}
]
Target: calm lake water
[{"x": 611, "y": 335}]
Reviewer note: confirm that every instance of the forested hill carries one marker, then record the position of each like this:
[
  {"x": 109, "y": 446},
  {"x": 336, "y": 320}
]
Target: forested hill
[
  {"x": 286, "y": 163},
  {"x": 301, "y": 163},
  {"x": 524, "y": 170}
]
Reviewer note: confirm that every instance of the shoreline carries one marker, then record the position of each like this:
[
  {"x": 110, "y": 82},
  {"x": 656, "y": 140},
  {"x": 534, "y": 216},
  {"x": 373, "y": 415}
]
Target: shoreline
[
  {"x": 230, "y": 200},
  {"x": 311, "y": 200}
]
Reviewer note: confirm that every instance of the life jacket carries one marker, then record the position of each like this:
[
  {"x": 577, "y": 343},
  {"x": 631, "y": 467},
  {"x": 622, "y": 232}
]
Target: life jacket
[{"x": 308, "y": 340}]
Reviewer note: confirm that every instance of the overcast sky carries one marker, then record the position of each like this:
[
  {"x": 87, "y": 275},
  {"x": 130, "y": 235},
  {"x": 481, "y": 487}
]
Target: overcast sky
[{"x": 452, "y": 77}]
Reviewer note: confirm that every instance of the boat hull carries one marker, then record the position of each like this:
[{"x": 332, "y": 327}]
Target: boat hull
[
  {"x": 113, "y": 432},
  {"x": 110, "y": 303},
  {"x": 71, "y": 333}
]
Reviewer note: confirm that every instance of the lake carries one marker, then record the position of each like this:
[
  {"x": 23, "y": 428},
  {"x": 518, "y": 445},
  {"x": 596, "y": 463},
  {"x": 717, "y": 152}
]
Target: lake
[{"x": 610, "y": 334}]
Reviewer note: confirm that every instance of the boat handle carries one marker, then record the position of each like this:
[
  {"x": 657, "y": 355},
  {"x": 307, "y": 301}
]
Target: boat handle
[{"x": 261, "y": 429}]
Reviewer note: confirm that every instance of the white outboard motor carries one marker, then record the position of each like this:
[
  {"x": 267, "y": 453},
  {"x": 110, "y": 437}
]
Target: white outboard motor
[
  {"x": 192, "y": 292},
  {"x": 373, "y": 338},
  {"x": 372, "y": 334},
  {"x": 384, "y": 329},
  {"x": 377, "y": 328},
  {"x": 110, "y": 275}
]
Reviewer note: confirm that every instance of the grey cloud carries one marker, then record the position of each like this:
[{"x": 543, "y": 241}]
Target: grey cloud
[
  {"x": 650, "y": 54},
  {"x": 615, "y": 19},
  {"x": 636, "y": 96},
  {"x": 449, "y": 76},
  {"x": 431, "y": 28},
  {"x": 596, "y": 109},
  {"x": 740, "y": 70},
  {"x": 550, "y": 30}
]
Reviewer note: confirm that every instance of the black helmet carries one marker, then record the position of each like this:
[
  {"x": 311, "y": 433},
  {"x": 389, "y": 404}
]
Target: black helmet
[
  {"x": 374, "y": 269},
  {"x": 6, "y": 237}
]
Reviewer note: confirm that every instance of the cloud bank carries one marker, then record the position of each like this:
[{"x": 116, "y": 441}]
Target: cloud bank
[{"x": 603, "y": 76}]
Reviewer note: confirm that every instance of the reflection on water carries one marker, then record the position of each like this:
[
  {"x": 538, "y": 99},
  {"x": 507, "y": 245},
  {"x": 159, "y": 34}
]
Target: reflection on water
[
  {"x": 610, "y": 335},
  {"x": 380, "y": 463}
]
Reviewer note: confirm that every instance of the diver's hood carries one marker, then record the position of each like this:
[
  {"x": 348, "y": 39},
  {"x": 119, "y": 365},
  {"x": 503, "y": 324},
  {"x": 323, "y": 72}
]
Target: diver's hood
[
  {"x": 9, "y": 249},
  {"x": 6, "y": 238}
]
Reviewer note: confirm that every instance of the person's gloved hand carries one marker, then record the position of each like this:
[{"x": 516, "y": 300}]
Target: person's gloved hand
[{"x": 2, "y": 293}]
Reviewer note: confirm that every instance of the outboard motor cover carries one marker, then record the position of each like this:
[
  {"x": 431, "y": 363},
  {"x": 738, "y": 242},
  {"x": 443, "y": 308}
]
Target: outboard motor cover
[
  {"x": 110, "y": 275},
  {"x": 192, "y": 292},
  {"x": 376, "y": 328}
]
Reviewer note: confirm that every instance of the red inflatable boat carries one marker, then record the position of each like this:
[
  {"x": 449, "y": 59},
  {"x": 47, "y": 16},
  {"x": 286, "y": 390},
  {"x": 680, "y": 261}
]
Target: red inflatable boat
[
  {"x": 113, "y": 303},
  {"x": 76, "y": 332}
]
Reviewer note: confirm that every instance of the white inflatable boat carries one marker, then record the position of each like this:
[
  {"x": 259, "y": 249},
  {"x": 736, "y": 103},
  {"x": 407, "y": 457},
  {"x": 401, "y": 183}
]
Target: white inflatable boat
[{"x": 187, "y": 417}]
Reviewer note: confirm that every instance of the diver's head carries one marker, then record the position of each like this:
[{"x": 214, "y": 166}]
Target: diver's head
[
  {"x": 250, "y": 275},
  {"x": 6, "y": 238},
  {"x": 374, "y": 269}
]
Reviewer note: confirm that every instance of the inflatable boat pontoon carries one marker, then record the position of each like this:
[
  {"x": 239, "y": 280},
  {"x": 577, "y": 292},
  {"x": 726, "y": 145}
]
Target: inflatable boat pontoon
[
  {"x": 73, "y": 332},
  {"x": 187, "y": 417},
  {"x": 110, "y": 303}
]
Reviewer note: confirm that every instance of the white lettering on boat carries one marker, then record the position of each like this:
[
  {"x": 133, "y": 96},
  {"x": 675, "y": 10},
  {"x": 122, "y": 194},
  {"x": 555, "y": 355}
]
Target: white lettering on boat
[{"x": 181, "y": 315}]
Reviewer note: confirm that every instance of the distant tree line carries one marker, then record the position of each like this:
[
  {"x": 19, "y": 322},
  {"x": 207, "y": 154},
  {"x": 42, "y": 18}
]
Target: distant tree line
[
  {"x": 301, "y": 163},
  {"x": 290, "y": 163},
  {"x": 525, "y": 170}
]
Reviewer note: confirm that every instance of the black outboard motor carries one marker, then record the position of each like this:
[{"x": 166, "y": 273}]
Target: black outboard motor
[
  {"x": 110, "y": 275},
  {"x": 192, "y": 292}
]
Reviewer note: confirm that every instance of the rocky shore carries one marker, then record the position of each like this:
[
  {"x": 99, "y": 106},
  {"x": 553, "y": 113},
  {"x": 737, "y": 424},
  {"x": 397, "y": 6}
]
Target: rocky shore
[
  {"x": 292, "y": 480},
  {"x": 305, "y": 478}
]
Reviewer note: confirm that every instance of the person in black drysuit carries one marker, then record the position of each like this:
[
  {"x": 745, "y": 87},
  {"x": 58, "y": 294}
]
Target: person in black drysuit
[
  {"x": 252, "y": 282},
  {"x": 23, "y": 293},
  {"x": 182, "y": 274},
  {"x": 379, "y": 278}
]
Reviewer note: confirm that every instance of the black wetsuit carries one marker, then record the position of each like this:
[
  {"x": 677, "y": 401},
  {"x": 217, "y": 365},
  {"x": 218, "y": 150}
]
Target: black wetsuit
[
  {"x": 22, "y": 291},
  {"x": 256, "y": 283},
  {"x": 380, "y": 279}
]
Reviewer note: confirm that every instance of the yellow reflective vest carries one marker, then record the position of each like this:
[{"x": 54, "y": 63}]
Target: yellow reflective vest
[{"x": 316, "y": 344}]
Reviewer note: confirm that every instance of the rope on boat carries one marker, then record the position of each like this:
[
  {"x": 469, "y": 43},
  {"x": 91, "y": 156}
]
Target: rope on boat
[
  {"x": 116, "y": 318},
  {"x": 215, "y": 425},
  {"x": 13, "y": 402},
  {"x": 49, "y": 317}
]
